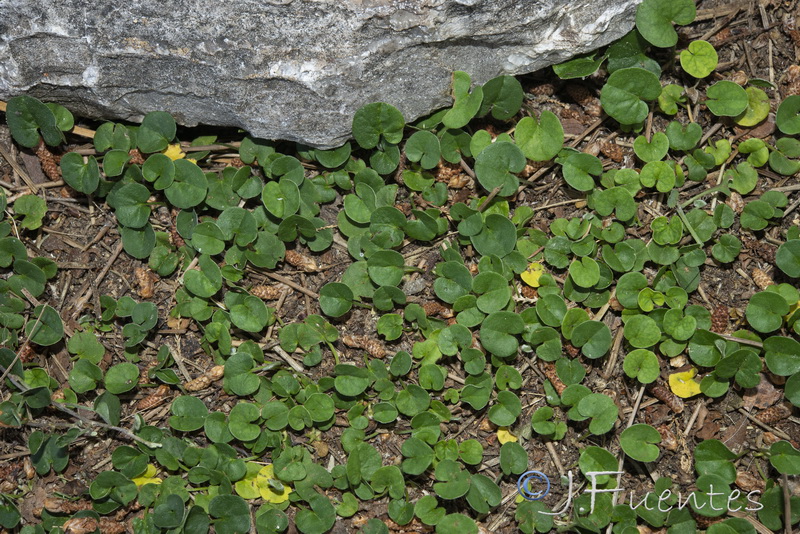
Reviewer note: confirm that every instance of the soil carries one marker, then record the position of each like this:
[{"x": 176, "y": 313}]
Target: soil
[{"x": 753, "y": 39}]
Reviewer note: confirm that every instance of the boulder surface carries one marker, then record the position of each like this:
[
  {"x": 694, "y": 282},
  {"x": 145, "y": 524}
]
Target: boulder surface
[{"x": 284, "y": 69}]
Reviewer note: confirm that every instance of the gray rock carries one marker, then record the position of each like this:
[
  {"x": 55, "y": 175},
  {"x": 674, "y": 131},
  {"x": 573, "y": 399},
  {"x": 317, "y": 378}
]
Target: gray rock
[{"x": 284, "y": 69}]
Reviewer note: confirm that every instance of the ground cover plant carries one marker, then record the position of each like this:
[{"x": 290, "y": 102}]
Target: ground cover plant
[{"x": 515, "y": 315}]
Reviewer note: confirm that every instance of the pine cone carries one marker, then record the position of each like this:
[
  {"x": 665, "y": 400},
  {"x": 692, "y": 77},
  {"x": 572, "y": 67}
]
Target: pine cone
[
  {"x": 201, "y": 382},
  {"x": 49, "y": 165},
  {"x": 372, "y": 346},
  {"x": 663, "y": 394},
  {"x": 154, "y": 399},
  {"x": 303, "y": 262},
  {"x": 612, "y": 151},
  {"x": 266, "y": 292},
  {"x": 773, "y": 414},
  {"x": 719, "y": 319},
  {"x": 762, "y": 279}
]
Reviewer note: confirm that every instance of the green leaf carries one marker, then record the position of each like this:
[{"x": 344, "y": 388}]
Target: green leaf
[
  {"x": 157, "y": 130},
  {"x": 33, "y": 208},
  {"x": 727, "y": 248},
  {"x": 423, "y": 147},
  {"x": 497, "y": 333},
  {"x": 641, "y": 364},
  {"x": 82, "y": 177},
  {"x": 497, "y": 237},
  {"x": 130, "y": 204},
  {"x": 601, "y": 409},
  {"x": 231, "y": 513},
  {"x": 503, "y": 97},
  {"x": 385, "y": 267},
  {"x": 497, "y": 165},
  {"x": 334, "y": 157},
  {"x": 726, "y": 99},
  {"x": 189, "y": 186},
  {"x": 138, "y": 242},
  {"x": 121, "y": 378},
  {"x": 456, "y": 524},
  {"x": 188, "y": 413},
  {"x": 642, "y": 331},
  {"x": 782, "y": 355},
  {"x": 788, "y": 258},
  {"x": 757, "y": 108},
  {"x": 671, "y": 96},
  {"x": 713, "y": 457},
  {"x": 44, "y": 327},
  {"x": 699, "y": 59},
  {"x": 654, "y": 20},
  {"x": 593, "y": 338},
  {"x": 26, "y": 117},
  {"x": 205, "y": 281},
  {"x": 579, "y": 66},
  {"x": 765, "y": 311},
  {"x": 506, "y": 410},
  {"x": 654, "y": 150},
  {"x": 335, "y": 299},
  {"x": 683, "y": 137},
  {"x": 788, "y": 116},
  {"x": 578, "y": 170},
  {"x": 542, "y": 139},
  {"x": 250, "y": 314},
  {"x": 160, "y": 170},
  {"x": 85, "y": 346},
  {"x": 585, "y": 272},
  {"x": 375, "y": 121},
  {"x": 418, "y": 456},
  {"x": 454, "y": 481},
  {"x": 466, "y": 105},
  {"x": 626, "y": 93},
  {"x": 84, "y": 376},
  {"x": 638, "y": 442}
]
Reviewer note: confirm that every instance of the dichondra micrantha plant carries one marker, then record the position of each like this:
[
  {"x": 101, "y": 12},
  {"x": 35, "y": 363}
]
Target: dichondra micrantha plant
[{"x": 392, "y": 332}]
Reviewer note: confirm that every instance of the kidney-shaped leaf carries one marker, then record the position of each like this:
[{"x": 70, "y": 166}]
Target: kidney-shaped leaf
[
  {"x": 626, "y": 93},
  {"x": 638, "y": 442}
]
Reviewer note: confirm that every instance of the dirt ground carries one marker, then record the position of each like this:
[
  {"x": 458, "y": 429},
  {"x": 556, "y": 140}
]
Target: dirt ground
[{"x": 758, "y": 39}]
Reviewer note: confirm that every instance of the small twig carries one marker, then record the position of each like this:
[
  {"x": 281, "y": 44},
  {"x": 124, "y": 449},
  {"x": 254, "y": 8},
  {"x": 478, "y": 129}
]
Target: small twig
[
  {"x": 467, "y": 169},
  {"x": 489, "y": 199},
  {"x": 688, "y": 226},
  {"x": 84, "y": 299},
  {"x": 692, "y": 419},
  {"x": 612, "y": 360},
  {"x": 13, "y": 455},
  {"x": 293, "y": 285},
  {"x": 765, "y": 426},
  {"x": 103, "y": 231},
  {"x": 19, "y": 170},
  {"x": 288, "y": 359},
  {"x": 178, "y": 357},
  {"x": 554, "y": 455},
  {"x": 742, "y": 340},
  {"x": 787, "y": 505}
]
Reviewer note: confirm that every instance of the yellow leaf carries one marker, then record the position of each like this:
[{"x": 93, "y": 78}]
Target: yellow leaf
[
  {"x": 682, "y": 384},
  {"x": 504, "y": 436},
  {"x": 174, "y": 152},
  {"x": 247, "y": 487},
  {"x": 148, "y": 477},
  {"x": 532, "y": 274},
  {"x": 268, "y": 491}
]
